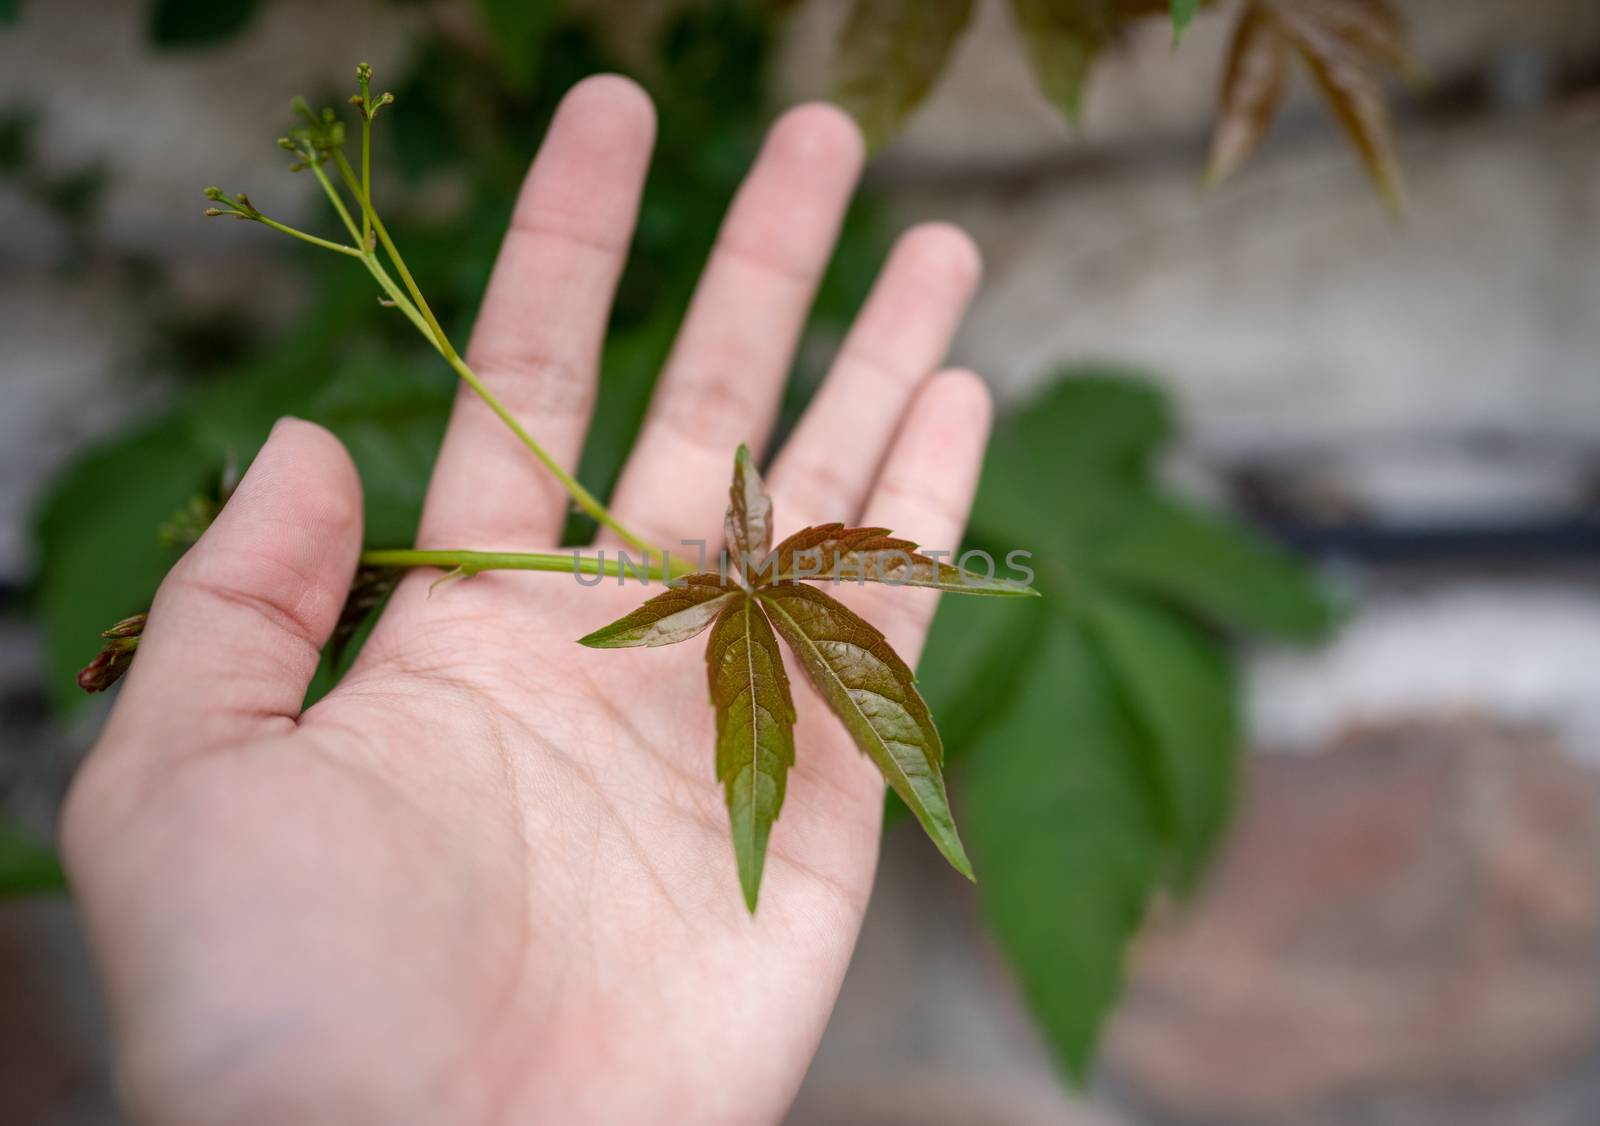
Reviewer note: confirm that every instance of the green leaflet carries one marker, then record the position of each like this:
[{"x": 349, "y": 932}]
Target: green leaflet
[
  {"x": 834, "y": 553},
  {"x": 872, "y": 691},
  {"x": 1062, "y": 831},
  {"x": 1221, "y": 571},
  {"x": 859, "y": 676},
  {"x": 889, "y": 54},
  {"x": 749, "y": 520},
  {"x": 1179, "y": 686},
  {"x": 1063, "y": 37},
  {"x": 755, "y": 730},
  {"x": 675, "y": 615}
]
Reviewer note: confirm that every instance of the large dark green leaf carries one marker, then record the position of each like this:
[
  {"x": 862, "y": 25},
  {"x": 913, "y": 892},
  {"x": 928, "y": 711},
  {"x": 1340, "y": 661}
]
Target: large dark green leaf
[
  {"x": 973, "y": 663},
  {"x": 1180, "y": 689},
  {"x": 1065, "y": 841},
  {"x": 198, "y": 23},
  {"x": 1222, "y": 571},
  {"x": 872, "y": 691},
  {"x": 1091, "y": 420},
  {"x": 890, "y": 52},
  {"x": 755, "y": 730},
  {"x": 1061, "y": 454},
  {"x": 1115, "y": 694},
  {"x": 26, "y": 866}
]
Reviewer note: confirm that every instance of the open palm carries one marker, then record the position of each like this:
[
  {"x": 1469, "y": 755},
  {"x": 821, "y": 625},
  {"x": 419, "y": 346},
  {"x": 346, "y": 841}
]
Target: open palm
[{"x": 488, "y": 878}]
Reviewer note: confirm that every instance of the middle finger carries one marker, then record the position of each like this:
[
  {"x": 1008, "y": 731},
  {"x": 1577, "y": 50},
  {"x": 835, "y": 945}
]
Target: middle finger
[{"x": 728, "y": 366}]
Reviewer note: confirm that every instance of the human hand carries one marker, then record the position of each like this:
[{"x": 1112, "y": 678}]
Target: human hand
[{"x": 488, "y": 878}]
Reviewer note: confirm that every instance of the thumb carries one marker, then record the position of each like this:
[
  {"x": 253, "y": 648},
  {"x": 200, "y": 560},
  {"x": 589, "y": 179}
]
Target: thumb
[{"x": 238, "y": 626}]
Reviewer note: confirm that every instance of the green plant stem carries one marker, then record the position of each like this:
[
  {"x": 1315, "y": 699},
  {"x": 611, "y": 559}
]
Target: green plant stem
[
  {"x": 366, "y": 162},
  {"x": 369, "y": 214},
  {"x": 400, "y": 300},
  {"x": 325, "y": 244},
  {"x": 581, "y": 496},
  {"x": 474, "y": 562},
  {"x": 338, "y": 203}
]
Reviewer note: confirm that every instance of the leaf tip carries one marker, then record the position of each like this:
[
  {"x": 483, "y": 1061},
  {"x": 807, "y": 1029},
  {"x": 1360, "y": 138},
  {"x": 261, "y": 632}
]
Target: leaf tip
[
  {"x": 750, "y": 867},
  {"x": 950, "y": 846}
]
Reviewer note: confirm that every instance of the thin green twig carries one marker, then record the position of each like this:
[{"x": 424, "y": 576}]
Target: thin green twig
[
  {"x": 581, "y": 496},
  {"x": 476, "y": 562},
  {"x": 370, "y": 214},
  {"x": 325, "y": 244}
]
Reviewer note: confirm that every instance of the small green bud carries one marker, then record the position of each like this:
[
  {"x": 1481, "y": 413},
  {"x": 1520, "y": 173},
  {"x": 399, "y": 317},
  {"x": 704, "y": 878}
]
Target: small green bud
[
  {"x": 214, "y": 193},
  {"x": 115, "y": 657},
  {"x": 364, "y": 72},
  {"x": 127, "y": 627},
  {"x": 213, "y": 212},
  {"x": 287, "y": 145},
  {"x": 357, "y": 100}
]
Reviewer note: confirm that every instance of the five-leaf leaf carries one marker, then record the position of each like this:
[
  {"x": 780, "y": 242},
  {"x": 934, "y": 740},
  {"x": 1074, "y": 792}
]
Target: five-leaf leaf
[{"x": 850, "y": 663}]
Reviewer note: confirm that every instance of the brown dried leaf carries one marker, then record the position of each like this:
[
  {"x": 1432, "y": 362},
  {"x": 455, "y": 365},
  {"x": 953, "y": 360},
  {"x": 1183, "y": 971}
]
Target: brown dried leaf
[
  {"x": 1252, "y": 88},
  {"x": 1350, "y": 47}
]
